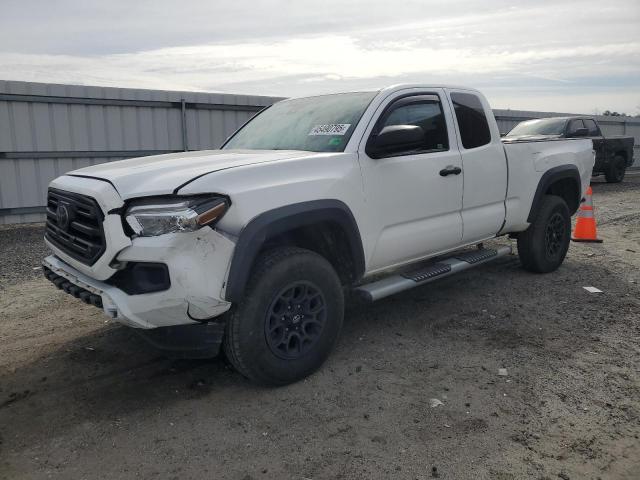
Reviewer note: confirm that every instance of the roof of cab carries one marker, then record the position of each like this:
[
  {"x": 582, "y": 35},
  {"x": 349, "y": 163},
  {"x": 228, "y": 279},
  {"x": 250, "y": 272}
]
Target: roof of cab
[{"x": 392, "y": 88}]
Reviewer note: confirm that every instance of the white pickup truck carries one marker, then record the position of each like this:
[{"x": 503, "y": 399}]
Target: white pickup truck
[{"x": 254, "y": 246}]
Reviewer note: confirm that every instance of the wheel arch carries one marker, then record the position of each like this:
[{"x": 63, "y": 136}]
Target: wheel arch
[
  {"x": 563, "y": 181},
  {"x": 275, "y": 224}
]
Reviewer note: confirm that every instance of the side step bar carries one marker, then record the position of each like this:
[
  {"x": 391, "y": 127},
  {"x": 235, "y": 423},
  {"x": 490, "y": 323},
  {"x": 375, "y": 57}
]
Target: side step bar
[{"x": 443, "y": 268}]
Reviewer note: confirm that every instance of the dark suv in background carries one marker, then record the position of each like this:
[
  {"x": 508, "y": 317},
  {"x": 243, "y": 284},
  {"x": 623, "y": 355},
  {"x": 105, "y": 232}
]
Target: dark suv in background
[{"x": 614, "y": 153}]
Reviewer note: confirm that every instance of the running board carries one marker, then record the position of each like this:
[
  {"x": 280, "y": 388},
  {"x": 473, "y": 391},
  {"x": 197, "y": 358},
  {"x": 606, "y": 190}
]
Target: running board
[{"x": 442, "y": 268}]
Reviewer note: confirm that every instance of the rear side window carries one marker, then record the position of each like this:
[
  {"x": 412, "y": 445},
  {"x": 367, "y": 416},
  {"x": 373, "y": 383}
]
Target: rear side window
[
  {"x": 472, "y": 121},
  {"x": 594, "y": 131}
]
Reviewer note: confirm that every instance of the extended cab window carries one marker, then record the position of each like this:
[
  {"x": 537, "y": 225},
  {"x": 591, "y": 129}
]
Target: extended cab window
[
  {"x": 472, "y": 121},
  {"x": 424, "y": 111}
]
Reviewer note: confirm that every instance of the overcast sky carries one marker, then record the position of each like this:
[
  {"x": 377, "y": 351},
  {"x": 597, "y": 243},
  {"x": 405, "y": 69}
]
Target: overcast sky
[{"x": 570, "y": 56}]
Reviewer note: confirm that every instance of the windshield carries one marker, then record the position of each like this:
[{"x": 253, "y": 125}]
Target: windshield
[
  {"x": 544, "y": 126},
  {"x": 315, "y": 124}
]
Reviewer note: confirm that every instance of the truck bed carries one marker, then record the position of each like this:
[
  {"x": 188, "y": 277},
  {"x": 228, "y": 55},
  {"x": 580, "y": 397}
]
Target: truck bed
[{"x": 524, "y": 174}]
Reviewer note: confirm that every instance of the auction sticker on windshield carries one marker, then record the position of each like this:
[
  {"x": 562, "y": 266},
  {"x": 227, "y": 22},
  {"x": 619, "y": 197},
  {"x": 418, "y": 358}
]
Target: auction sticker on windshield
[{"x": 330, "y": 129}]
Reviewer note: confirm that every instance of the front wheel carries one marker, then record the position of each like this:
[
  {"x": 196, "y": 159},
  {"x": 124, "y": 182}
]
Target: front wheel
[
  {"x": 289, "y": 320},
  {"x": 616, "y": 170},
  {"x": 543, "y": 246}
]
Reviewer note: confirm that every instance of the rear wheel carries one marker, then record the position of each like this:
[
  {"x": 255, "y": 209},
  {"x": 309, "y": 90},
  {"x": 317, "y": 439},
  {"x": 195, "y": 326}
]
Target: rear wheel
[
  {"x": 289, "y": 319},
  {"x": 543, "y": 246},
  {"x": 616, "y": 170}
]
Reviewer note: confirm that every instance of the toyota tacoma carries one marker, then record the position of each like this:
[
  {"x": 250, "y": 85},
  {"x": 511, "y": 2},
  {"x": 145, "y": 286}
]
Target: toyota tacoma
[{"x": 252, "y": 248}]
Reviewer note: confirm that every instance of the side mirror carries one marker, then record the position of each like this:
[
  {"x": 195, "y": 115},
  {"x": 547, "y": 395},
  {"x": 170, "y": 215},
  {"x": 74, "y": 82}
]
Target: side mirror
[
  {"x": 581, "y": 132},
  {"x": 395, "y": 138}
]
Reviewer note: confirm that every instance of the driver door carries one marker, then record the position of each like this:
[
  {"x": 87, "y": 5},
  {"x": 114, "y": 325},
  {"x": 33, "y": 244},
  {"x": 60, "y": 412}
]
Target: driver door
[{"x": 413, "y": 192}]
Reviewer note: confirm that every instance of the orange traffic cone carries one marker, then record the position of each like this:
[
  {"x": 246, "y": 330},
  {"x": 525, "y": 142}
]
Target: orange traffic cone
[{"x": 585, "y": 230}]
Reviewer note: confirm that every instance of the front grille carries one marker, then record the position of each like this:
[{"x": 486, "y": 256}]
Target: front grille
[{"x": 74, "y": 225}]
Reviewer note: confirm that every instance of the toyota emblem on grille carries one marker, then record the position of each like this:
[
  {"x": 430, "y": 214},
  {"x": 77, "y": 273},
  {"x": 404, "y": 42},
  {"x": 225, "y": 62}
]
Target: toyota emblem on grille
[{"x": 62, "y": 216}]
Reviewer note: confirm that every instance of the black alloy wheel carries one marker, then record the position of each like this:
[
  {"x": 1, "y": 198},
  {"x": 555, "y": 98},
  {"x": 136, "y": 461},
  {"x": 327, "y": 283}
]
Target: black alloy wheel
[
  {"x": 555, "y": 233},
  {"x": 295, "y": 320}
]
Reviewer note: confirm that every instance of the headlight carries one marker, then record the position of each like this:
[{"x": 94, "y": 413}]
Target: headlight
[{"x": 157, "y": 216}]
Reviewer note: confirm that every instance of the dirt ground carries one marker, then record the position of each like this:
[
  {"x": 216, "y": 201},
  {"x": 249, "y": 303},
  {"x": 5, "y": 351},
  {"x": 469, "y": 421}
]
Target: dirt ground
[{"x": 83, "y": 398}]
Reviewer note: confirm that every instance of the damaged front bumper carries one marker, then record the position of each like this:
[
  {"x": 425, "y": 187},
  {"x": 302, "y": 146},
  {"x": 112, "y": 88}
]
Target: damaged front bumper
[
  {"x": 197, "y": 264},
  {"x": 198, "y": 340}
]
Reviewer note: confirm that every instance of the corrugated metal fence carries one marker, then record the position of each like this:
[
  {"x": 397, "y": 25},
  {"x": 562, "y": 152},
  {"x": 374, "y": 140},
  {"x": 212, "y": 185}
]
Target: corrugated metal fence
[{"x": 47, "y": 130}]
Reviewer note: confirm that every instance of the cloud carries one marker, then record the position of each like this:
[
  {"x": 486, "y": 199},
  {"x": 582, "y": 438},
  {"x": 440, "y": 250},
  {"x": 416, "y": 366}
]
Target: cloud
[
  {"x": 87, "y": 27},
  {"x": 586, "y": 55}
]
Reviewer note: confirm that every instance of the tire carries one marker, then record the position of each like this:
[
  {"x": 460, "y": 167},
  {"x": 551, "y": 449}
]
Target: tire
[
  {"x": 616, "y": 170},
  {"x": 272, "y": 345},
  {"x": 543, "y": 246}
]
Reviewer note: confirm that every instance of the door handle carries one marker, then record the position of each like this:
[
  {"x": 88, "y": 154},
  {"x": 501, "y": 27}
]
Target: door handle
[{"x": 450, "y": 170}]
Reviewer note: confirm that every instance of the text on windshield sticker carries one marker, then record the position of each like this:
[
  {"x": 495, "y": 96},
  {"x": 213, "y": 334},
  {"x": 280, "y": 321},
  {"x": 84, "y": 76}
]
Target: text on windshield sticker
[{"x": 330, "y": 129}]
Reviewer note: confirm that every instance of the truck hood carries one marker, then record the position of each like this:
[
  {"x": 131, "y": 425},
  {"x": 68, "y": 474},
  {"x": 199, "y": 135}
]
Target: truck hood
[{"x": 165, "y": 174}]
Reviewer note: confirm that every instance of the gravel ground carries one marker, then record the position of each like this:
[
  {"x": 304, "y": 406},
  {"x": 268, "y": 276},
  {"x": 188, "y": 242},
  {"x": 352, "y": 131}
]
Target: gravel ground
[
  {"x": 81, "y": 398},
  {"x": 22, "y": 251}
]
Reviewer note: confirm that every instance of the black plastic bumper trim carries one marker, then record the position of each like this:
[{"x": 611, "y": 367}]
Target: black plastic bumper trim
[
  {"x": 187, "y": 341},
  {"x": 65, "y": 285}
]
